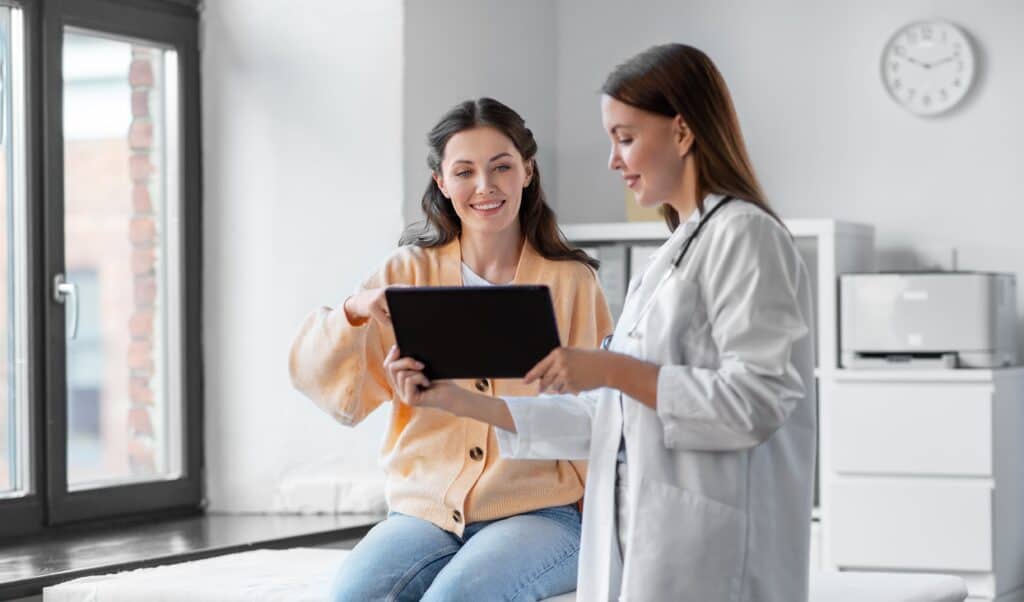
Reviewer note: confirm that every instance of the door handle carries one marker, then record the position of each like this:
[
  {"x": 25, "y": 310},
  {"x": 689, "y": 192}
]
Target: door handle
[{"x": 64, "y": 291}]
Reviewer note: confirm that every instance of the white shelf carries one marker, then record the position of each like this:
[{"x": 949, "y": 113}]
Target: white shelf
[{"x": 920, "y": 376}]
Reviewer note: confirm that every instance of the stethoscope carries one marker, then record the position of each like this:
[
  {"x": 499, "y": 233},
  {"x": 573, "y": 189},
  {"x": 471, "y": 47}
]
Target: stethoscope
[{"x": 677, "y": 259}]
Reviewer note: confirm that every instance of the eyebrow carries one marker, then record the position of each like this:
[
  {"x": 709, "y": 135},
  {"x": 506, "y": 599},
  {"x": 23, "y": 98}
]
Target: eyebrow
[
  {"x": 491, "y": 160},
  {"x": 619, "y": 126}
]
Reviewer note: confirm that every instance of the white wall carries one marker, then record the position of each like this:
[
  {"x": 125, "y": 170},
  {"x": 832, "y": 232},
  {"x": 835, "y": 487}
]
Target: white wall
[
  {"x": 825, "y": 138},
  {"x": 460, "y": 49},
  {"x": 302, "y": 156},
  {"x": 314, "y": 145}
]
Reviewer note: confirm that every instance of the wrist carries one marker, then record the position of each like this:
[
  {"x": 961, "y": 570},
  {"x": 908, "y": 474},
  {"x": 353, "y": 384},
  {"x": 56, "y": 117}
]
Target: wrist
[{"x": 612, "y": 366}]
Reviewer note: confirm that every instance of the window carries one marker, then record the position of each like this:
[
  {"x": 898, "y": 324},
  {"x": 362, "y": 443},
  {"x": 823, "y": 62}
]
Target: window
[{"x": 100, "y": 263}]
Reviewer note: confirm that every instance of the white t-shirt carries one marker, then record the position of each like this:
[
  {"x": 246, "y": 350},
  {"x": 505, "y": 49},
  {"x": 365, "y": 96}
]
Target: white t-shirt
[{"x": 470, "y": 278}]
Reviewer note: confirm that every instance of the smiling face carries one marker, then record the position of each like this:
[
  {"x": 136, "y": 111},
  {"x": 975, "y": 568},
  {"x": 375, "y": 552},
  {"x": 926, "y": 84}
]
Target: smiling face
[
  {"x": 648, "y": 149},
  {"x": 483, "y": 174}
]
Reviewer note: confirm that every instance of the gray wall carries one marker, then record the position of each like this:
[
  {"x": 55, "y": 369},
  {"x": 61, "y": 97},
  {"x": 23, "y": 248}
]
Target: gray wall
[
  {"x": 458, "y": 49},
  {"x": 302, "y": 198},
  {"x": 314, "y": 125},
  {"x": 826, "y": 139}
]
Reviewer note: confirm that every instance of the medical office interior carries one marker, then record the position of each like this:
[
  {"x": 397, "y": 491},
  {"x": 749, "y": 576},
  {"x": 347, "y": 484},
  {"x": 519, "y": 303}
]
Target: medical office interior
[{"x": 115, "y": 454}]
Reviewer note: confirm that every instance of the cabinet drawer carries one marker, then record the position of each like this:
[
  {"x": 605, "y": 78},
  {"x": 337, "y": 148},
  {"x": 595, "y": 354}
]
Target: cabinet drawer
[
  {"x": 910, "y": 428},
  {"x": 921, "y": 524}
]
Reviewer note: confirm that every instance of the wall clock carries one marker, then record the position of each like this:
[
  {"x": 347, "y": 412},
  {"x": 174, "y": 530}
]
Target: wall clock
[{"x": 928, "y": 66}]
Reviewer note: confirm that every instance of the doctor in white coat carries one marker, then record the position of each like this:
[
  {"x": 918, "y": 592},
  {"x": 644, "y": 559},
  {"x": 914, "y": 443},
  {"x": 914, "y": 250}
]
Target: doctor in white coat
[{"x": 699, "y": 419}]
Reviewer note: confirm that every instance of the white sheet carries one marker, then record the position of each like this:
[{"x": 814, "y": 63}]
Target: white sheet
[{"x": 303, "y": 575}]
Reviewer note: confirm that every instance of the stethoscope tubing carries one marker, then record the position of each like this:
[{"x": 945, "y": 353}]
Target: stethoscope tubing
[{"x": 676, "y": 262}]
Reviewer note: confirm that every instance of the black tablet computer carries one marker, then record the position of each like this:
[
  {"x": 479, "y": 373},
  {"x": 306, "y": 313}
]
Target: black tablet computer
[{"x": 474, "y": 332}]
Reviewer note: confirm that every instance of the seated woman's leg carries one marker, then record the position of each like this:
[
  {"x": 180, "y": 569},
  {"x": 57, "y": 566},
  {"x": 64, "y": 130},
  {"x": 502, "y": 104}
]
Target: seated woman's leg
[
  {"x": 396, "y": 561},
  {"x": 525, "y": 557}
]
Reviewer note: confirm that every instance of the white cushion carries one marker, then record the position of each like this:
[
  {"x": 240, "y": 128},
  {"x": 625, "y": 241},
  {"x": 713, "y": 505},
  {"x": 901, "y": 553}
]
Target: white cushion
[
  {"x": 295, "y": 575},
  {"x": 304, "y": 574},
  {"x": 886, "y": 587}
]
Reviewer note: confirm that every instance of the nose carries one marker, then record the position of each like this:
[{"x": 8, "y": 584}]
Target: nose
[
  {"x": 614, "y": 160},
  {"x": 484, "y": 184}
]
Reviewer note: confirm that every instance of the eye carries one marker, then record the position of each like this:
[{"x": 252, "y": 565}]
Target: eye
[
  {"x": 503, "y": 168},
  {"x": 463, "y": 173},
  {"x": 625, "y": 141}
]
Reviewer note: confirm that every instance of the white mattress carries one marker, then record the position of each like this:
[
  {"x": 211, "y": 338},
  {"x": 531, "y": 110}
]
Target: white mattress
[
  {"x": 303, "y": 574},
  {"x": 886, "y": 587}
]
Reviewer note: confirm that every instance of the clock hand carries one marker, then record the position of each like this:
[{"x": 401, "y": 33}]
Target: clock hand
[
  {"x": 917, "y": 62},
  {"x": 945, "y": 60}
]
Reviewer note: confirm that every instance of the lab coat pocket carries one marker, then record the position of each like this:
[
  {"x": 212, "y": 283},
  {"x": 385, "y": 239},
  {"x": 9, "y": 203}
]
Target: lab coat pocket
[
  {"x": 683, "y": 546},
  {"x": 675, "y": 309}
]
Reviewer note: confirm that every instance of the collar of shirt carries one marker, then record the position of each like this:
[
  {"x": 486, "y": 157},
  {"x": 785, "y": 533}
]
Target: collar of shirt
[{"x": 691, "y": 222}]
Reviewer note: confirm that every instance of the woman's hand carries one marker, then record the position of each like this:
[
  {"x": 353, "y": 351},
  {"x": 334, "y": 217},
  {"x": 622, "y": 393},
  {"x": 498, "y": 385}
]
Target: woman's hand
[
  {"x": 570, "y": 370},
  {"x": 412, "y": 387},
  {"x": 366, "y": 304}
]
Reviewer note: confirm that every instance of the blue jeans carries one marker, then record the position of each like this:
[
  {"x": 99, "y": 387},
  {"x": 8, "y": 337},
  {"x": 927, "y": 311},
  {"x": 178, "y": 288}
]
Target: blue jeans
[{"x": 524, "y": 557}]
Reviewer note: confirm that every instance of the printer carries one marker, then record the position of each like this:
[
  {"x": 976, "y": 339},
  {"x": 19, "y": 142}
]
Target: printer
[{"x": 928, "y": 320}]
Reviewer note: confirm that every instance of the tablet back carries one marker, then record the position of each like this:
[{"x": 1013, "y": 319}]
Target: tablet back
[{"x": 474, "y": 332}]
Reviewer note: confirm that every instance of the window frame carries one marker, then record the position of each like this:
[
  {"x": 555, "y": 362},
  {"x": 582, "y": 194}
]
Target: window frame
[{"x": 50, "y": 504}]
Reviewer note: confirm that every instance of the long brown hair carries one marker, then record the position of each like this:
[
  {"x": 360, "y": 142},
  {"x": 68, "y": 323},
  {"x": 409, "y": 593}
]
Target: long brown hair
[
  {"x": 441, "y": 224},
  {"x": 675, "y": 79}
]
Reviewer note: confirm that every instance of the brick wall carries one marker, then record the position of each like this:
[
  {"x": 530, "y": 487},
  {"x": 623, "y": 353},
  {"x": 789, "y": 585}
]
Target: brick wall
[{"x": 144, "y": 237}]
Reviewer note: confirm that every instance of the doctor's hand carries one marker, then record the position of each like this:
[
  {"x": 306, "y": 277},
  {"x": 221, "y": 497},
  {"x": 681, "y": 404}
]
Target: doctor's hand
[
  {"x": 571, "y": 370},
  {"x": 412, "y": 387}
]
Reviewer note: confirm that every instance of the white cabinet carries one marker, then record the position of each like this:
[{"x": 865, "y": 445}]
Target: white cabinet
[{"x": 924, "y": 471}]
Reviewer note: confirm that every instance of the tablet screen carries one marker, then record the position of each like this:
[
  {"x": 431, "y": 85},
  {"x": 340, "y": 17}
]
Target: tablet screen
[{"x": 474, "y": 332}]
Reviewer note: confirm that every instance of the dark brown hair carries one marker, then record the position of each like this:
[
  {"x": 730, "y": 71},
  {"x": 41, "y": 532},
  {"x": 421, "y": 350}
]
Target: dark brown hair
[
  {"x": 441, "y": 224},
  {"x": 675, "y": 79}
]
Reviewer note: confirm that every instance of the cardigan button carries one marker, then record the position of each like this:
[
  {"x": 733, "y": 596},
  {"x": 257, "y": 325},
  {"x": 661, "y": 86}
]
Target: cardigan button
[
  {"x": 476, "y": 453},
  {"x": 457, "y": 516},
  {"x": 482, "y": 385}
]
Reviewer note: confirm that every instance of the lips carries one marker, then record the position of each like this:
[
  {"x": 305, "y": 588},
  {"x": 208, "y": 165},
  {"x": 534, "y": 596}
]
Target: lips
[
  {"x": 631, "y": 180},
  {"x": 487, "y": 207}
]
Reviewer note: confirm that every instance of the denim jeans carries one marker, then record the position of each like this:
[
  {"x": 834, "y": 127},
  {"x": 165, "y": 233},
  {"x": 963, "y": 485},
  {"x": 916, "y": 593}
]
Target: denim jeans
[{"x": 529, "y": 556}]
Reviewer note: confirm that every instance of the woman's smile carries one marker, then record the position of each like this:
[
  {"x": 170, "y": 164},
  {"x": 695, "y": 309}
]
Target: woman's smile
[{"x": 487, "y": 208}]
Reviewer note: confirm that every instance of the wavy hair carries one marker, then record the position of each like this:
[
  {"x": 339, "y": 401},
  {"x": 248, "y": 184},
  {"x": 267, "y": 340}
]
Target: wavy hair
[{"x": 536, "y": 219}]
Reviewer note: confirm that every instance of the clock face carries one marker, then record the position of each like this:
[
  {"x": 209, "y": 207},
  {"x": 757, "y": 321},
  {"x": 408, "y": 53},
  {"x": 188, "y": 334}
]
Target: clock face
[{"x": 928, "y": 66}]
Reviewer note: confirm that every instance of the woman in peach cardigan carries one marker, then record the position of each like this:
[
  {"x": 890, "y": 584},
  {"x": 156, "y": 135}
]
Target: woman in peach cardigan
[{"x": 464, "y": 523}]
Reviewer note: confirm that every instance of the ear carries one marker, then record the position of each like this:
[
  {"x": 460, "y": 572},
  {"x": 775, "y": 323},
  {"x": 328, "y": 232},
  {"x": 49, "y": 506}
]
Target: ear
[
  {"x": 529, "y": 165},
  {"x": 439, "y": 180},
  {"x": 683, "y": 135}
]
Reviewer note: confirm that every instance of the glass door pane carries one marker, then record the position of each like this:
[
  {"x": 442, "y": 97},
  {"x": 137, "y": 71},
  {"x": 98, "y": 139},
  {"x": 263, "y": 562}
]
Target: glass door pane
[
  {"x": 14, "y": 424},
  {"x": 121, "y": 238}
]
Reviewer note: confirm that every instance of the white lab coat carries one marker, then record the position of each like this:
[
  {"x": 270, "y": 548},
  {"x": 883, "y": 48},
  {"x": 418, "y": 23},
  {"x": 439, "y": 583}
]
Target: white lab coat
[{"x": 720, "y": 476}]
